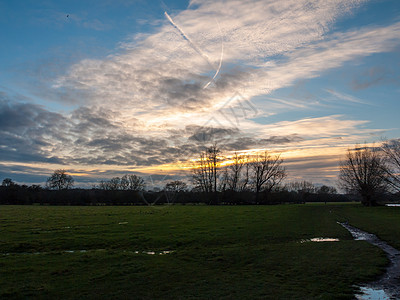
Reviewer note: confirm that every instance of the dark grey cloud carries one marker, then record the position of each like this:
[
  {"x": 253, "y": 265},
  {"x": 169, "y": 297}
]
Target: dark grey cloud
[
  {"x": 242, "y": 143},
  {"x": 209, "y": 134},
  {"x": 25, "y": 130}
]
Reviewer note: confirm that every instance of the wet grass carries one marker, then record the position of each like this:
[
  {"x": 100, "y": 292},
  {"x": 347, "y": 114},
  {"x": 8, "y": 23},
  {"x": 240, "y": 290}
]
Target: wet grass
[{"x": 236, "y": 252}]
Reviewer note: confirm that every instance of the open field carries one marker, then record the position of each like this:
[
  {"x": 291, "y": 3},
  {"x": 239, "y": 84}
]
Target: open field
[{"x": 243, "y": 252}]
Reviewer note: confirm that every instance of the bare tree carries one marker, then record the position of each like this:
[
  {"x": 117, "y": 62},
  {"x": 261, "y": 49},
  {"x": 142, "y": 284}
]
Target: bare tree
[
  {"x": 235, "y": 172},
  {"x": 301, "y": 187},
  {"x": 224, "y": 180},
  {"x": 114, "y": 183},
  {"x": 364, "y": 172},
  {"x": 136, "y": 183},
  {"x": 213, "y": 165},
  {"x": 327, "y": 190},
  {"x": 173, "y": 188},
  {"x": 267, "y": 172},
  {"x": 60, "y": 180},
  {"x": 200, "y": 176},
  {"x": 206, "y": 171},
  {"x": 126, "y": 182},
  {"x": 391, "y": 149},
  {"x": 243, "y": 182},
  {"x": 176, "y": 186}
]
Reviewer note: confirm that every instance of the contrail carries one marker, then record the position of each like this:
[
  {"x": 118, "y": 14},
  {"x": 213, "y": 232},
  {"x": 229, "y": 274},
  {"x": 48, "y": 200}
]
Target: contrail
[
  {"x": 193, "y": 45},
  {"x": 220, "y": 60},
  {"x": 198, "y": 50}
]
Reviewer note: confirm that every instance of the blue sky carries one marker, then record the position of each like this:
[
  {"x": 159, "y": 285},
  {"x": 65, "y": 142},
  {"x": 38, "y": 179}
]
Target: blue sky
[{"x": 103, "y": 88}]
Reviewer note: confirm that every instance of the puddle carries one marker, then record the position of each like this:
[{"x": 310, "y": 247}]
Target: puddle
[
  {"x": 372, "y": 294},
  {"x": 389, "y": 282},
  {"x": 393, "y": 205},
  {"x": 320, "y": 239},
  {"x": 152, "y": 252}
]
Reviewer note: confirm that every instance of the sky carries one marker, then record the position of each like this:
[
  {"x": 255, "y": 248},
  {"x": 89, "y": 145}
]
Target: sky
[{"x": 108, "y": 87}]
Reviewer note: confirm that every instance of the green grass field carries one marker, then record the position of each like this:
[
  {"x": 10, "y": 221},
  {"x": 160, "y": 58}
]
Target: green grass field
[{"x": 224, "y": 252}]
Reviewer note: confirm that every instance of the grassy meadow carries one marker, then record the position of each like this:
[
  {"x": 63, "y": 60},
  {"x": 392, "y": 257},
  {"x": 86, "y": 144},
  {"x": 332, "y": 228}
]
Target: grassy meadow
[{"x": 224, "y": 252}]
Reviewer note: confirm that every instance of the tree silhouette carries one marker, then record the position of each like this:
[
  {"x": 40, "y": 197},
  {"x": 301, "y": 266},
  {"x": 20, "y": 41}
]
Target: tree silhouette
[
  {"x": 391, "y": 150},
  {"x": 206, "y": 171},
  {"x": 176, "y": 186},
  {"x": 7, "y": 182},
  {"x": 267, "y": 172},
  {"x": 60, "y": 180},
  {"x": 364, "y": 172}
]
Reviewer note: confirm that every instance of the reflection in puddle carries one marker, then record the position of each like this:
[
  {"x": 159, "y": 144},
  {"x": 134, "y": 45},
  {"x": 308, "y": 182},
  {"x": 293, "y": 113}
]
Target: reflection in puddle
[
  {"x": 372, "y": 294},
  {"x": 154, "y": 253},
  {"x": 320, "y": 239}
]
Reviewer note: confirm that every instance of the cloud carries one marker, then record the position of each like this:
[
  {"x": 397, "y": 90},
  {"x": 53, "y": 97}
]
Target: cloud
[
  {"x": 345, "y": 97},
  {"x": 146, "y": 105},
  {"x": 163, "y": 74},
  {"x": 376, "y": 75}
]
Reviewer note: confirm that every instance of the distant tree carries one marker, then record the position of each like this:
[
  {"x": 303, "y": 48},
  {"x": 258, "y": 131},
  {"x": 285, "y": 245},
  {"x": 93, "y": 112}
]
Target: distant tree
[
  {"x": 176, "y": 186},
  {"x": 236, "y": 178},
  {"x": 391, "y": 150},
  {"x": 60, "y": 180},
  {"x": 327, "y": 190},
  {"x": 364, "y": 171},
  {"x": 223, "y": 181},
  {"x": 207, "y": 169},
  {"x": 301, "y": 187},
  {"x": 136, "y": 183},
  {"x": 7, "y": 182},
  {"x": 266, "y": 172},
  {"x": 173, "y": 188},
  {"x": 124, "y": 183},
  {"x": 103, "y": 185},
  {"x": 114, "y": 184},
  {"x": 35, "y": 187}
]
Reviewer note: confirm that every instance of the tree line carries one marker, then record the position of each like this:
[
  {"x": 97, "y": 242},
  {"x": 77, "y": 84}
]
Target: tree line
[{"x": 368, "y": 174}]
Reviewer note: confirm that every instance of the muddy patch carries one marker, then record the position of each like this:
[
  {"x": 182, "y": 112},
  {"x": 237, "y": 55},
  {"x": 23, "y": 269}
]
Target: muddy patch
[{"x": 388, "y": 286}]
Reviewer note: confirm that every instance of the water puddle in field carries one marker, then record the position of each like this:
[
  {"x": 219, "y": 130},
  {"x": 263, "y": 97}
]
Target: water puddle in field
[
  {"x": 388, "y": 286},
  {"x": 392, "y": 205},
  {"x": 372, "y": 294},
  {"x": 320, "y": 239}
]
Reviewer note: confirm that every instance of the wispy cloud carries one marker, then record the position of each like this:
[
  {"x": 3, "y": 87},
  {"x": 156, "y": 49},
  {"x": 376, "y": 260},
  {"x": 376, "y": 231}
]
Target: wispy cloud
[
  {"x": 376, "y": 75},
  {"x": 346, "y": 97}
]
